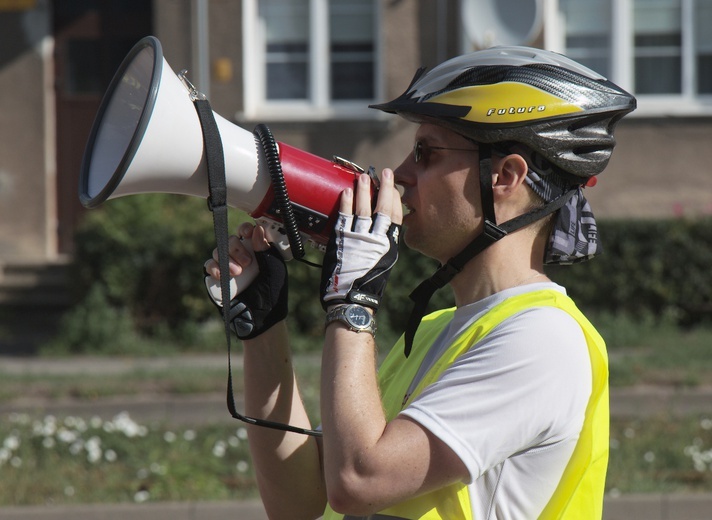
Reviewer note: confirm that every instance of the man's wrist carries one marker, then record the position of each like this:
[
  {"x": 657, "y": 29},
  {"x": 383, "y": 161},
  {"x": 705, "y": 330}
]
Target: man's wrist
[{"x": 354, "y": 317}]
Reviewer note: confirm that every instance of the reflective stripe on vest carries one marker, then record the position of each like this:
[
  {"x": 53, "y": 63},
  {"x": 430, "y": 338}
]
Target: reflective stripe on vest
[{"x": 579, "y": 494}]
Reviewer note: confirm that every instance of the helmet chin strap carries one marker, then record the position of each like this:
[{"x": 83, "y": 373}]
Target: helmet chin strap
[{"x": 490, "y": 234}]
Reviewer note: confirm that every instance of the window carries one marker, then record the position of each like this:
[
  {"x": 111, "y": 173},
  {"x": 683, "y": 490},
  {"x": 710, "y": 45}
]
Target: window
[
  {"x": 657, "y": 39},
  {"x": 309, "y": 58},
  {"x": 661, "y": 50}
]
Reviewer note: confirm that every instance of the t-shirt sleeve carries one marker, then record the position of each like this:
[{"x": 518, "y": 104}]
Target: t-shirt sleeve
[{"x": 525, "y": 385}]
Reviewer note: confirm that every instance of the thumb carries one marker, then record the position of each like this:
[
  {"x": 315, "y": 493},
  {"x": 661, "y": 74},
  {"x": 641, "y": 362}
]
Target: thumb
[{"x": 259, "y": 239}]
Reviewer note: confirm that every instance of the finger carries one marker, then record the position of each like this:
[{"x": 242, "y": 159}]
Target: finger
[
  {"x": 211, "y": 268},
  {"x": 259, "y": 239},
  {"x": 362, "y": 225},
  {"x": 214, "y": 269},
  {"x": 246, "y": 230},
  {"x": 381, "y": 223},
  {"x": 363, "y": 196},
  {"x": 346, "y": 205},
  {"x": 238, "y": 256},
  {"x": 384, "y": 203},
  {"x": 397, "y": 215}
]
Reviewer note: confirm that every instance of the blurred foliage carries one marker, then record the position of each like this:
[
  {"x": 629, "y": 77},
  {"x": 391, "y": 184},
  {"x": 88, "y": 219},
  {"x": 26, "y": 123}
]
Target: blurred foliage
[
  {"x": 655, "y": 270},
  {"x": 139, "y": 259}
]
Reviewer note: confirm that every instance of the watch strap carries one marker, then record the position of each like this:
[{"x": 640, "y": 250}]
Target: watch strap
[{"x": 338, "y": 313}]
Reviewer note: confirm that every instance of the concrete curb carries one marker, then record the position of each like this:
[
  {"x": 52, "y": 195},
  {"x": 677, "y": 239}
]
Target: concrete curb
[
  {"x": 628, "y": 507},
  {"x": 656, "y": 506},
  {"x": 247, "y": 510}
]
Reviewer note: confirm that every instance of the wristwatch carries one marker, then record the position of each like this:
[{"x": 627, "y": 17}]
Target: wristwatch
[{"x": 354, "y": 316}]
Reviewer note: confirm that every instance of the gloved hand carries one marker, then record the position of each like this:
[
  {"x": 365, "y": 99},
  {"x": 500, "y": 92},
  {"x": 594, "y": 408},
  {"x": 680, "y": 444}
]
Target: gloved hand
[
  {"x": 264, "y": 302},
  {"x": 359, "y": 257}
]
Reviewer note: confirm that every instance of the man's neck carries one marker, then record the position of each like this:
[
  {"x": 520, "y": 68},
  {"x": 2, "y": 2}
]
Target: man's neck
[{"x": 501, "y": 266}]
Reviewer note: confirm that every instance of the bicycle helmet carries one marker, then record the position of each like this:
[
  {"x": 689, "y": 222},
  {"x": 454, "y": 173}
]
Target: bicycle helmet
[
  {"x": 557, "y": 113},
  {"x": 556, "y": 107}
]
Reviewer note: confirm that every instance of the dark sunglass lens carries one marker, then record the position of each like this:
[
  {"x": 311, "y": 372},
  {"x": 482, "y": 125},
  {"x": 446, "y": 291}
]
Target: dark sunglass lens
[{"x": 417, "y": 151}]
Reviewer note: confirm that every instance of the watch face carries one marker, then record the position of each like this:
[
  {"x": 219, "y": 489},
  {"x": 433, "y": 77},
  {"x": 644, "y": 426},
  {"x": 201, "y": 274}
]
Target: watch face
[{"x": 358, "y": 316}]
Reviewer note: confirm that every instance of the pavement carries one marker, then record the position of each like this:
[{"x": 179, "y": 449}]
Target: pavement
[{"x": 637, "y": 402}]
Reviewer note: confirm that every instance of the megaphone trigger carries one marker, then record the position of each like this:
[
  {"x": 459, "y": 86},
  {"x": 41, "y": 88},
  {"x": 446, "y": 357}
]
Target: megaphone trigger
[
  {"x": 275, "y": 235},
  {"x": 237, "y": 283}
]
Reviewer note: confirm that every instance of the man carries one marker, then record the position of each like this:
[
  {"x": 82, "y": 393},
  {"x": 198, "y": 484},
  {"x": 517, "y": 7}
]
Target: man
[{"x": 497, "y": 408}]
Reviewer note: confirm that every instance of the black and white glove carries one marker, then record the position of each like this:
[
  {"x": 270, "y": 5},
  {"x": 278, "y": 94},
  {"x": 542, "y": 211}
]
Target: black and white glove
[
  {"x": 264, "y": 302},
  {"x": 359, "y": 257}
]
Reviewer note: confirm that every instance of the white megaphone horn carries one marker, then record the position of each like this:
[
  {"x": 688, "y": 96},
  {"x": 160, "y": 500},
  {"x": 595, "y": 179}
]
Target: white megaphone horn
[{"x": 147, "y": 138}]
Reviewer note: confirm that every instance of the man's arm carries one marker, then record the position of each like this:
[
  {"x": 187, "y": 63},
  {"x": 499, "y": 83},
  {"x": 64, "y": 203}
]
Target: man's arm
[
  {"x": 370, "y": 464},
  {"x": 287, "y": 465}
]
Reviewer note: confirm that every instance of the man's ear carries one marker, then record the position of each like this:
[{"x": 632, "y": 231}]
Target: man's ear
[{"x": 508, "y": 174}]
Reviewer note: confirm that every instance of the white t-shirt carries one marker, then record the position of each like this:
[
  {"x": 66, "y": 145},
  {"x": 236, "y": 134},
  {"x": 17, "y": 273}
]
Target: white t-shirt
[{"x": 512, "y": 407}]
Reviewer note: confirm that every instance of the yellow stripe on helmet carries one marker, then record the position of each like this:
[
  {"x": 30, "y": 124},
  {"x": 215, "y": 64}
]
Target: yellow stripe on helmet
[{"x": 506, "y": 102}]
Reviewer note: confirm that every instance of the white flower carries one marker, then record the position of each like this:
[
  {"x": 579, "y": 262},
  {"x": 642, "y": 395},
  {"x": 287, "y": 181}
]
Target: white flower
[
  {"x": 49, "y": 426},
  {"x": 141, "y": 496},
  {"x": 169, "y": 437},
  {"x": 94, "y": 456},
  {"x": 219, "y": 449},
  {"x": 12, "y": 442},
  {"x": 77, "y": 447},
  {"x": 16, "y": 462},
  {"x": 94, "y": 451},
  {"x": 129, "y": 427},
  {"x": 110, "y": 456},
  {"x": 242, "y": 433},
  {"x": 242, "y": 466},
  {"x": 649, "y": 457},
  {"x": 48, "y": 442},
  {"x": 189, "y": 435},
  {"x": 76, "y": 423},
  {"x": 69, "y": 491},
  {"x": 66, "y": 436}
]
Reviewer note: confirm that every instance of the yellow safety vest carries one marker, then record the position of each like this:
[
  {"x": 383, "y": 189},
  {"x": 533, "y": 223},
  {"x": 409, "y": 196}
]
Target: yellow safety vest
[{"x": 579, "y": 494}]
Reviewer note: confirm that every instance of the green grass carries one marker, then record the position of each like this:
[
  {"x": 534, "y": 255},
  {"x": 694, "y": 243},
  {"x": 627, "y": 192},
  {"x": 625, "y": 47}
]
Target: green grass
[
  {"x": 72, "y": 460},
  {"x": 660, "y": 455},
  {"x": 658, "y": 354},
  {"x": 179, "y": 381}
]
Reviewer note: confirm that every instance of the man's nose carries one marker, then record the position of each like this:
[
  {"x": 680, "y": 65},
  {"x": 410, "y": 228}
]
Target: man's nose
[{"x": 404, "y": 174}]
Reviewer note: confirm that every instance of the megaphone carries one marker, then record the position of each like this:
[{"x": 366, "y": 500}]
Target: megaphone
[
  {"x": 147, "y": 138},
  {"x": 501, "y": 22}
]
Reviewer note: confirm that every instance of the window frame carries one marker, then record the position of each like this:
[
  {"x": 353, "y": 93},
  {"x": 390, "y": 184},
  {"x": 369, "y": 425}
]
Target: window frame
[
  {"x": 688, "y": 103},
  {"x": 319, "y": 106}
]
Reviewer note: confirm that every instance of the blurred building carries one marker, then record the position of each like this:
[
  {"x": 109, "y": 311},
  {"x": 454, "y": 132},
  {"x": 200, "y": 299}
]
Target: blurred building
[{"x": 309, "y": 68}]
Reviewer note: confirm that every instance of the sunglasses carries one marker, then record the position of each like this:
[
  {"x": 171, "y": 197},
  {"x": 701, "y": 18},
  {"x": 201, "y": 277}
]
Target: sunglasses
[{"x": 420, "y": 150}]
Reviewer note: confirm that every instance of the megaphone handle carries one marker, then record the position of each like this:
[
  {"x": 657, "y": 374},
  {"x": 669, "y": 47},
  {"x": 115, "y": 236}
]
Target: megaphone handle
[{"x": 237, "y": 283}]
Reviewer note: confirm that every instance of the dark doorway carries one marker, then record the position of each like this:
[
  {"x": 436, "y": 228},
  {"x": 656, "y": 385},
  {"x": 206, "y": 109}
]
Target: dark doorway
[{"x": 91, "y": 39}]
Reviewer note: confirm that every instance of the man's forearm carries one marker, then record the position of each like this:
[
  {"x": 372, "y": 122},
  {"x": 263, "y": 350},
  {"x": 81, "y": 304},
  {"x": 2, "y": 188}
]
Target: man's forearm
[
  {"x": 352, "y": 414},
  {"x": 287, "y": 465}
]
